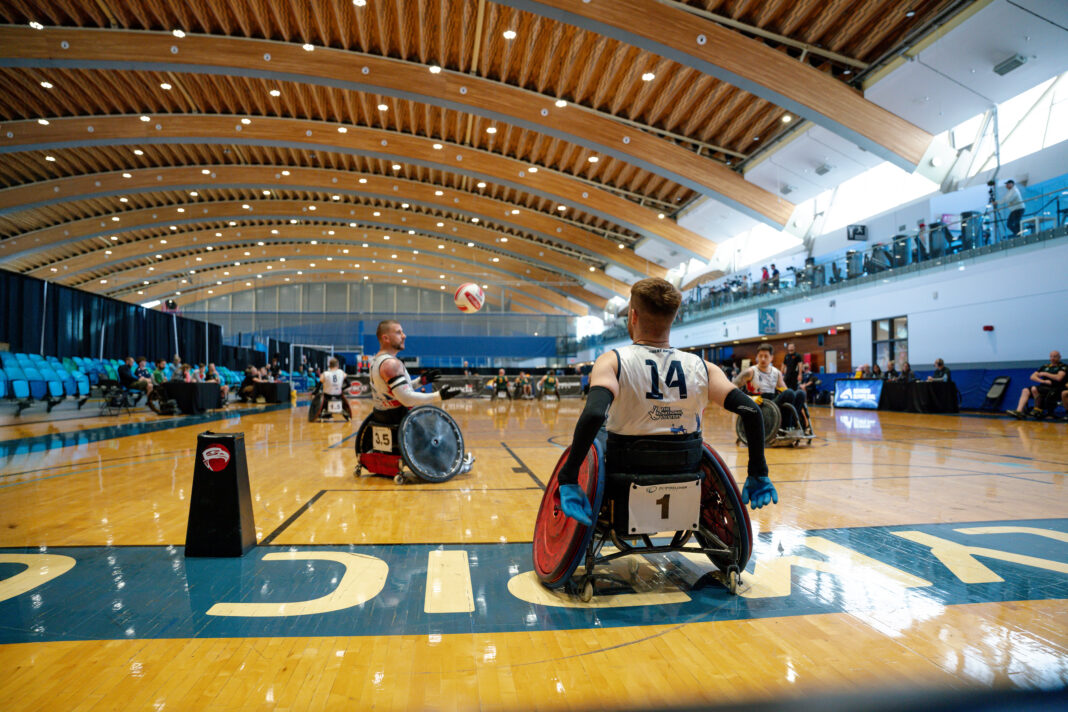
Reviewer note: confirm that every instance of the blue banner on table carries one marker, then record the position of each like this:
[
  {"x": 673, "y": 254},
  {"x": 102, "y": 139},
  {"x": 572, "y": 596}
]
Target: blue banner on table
[
  {"x": 857, "y": 393},
  {"x": 769, "y": 321}
]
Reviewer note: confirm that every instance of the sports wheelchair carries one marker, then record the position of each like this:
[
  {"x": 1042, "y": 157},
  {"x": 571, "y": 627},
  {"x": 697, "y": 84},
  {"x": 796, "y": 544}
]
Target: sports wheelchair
[
  {"x": 702, "y": 502},
  {"x": 774, "y": 434},
  {"x": 426, "y": 444},
  {"x": 334, "y": 404}
]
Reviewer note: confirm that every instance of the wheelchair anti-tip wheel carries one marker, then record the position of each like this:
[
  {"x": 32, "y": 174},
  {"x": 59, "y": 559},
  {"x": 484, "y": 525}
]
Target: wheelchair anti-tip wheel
[
  {"x": 559, "y": 541},
  {"x": 772, "y": 421}
]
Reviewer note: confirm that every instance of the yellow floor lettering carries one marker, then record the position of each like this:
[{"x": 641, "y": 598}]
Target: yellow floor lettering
[
  {"x": 960, "y": 558},
  {"x": 364, "y": 578},
  {"x": 448, "y": 583},
  {"x": 43, "y": 568}
]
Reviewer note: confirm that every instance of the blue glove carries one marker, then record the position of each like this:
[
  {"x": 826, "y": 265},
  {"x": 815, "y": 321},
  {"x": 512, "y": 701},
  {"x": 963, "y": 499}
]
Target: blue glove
[
  {"x": 759, "y": 491},
  {"x": 573, "y": 503}
]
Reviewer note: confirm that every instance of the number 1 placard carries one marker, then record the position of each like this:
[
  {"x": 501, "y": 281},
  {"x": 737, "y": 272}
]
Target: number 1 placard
[{"x": 668, "y": 507}]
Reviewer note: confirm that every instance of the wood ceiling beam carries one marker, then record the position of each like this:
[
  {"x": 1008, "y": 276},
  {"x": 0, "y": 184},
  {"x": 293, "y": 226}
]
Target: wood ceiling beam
[
  {"x": 186, "y": 178},
  {"x": 97, "y": 230},
  {"x": 152, "y": 51},
  {"x": 28, "y": 135},
  {"x": 165, "y": 284},
  {"x": 749, "y": 64}
]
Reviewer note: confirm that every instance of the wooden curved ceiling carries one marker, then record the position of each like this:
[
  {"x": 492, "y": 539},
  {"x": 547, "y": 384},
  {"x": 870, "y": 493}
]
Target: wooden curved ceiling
[{"x": 502, "y": 133}]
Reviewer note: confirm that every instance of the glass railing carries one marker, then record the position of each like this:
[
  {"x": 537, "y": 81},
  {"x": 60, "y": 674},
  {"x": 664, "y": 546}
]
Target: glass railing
[{"x": 975, "y": 233}]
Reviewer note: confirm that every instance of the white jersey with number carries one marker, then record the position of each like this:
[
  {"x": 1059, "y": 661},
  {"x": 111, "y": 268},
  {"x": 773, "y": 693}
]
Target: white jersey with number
[
  {"x": 381, "y": 394},
  {"x": 765, "y": 382},
  {"x": 333, "y": 382},
  {"x": 662, "y": 391}
]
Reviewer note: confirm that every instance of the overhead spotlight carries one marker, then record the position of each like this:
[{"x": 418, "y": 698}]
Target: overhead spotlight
[
  {"x": 146, "y": 118},
  {"x": 396, "y": 166},
  {"x": 437, "y": 147},
  {"x": 660, "y": 216},
  {"x": 435, "y": 69},
  {"x": 509, "y": 34},
  {"x": 36, "y": 25},
  {"x": 593, "y": 159},
  {"x": 359, "y": 3},
  {"x": 787, "y": 118},
  {"x": 46, "y": 85},
  {"x": 43, "y": 122},
  {"x": 480, "y": 184},
  {"x": 648, "y": 77},
  {"x": 178, "y": 33},
  {"x": 308, "y": 47},
  {"x": 560, "y": 103},
  {"x": 165, "y": 86},
  {"x": 275, "y": 92},
  {"x": 491, "y": 129},
  {"x": 246, "y": 122},
  {"x": 383, "y": 107}
]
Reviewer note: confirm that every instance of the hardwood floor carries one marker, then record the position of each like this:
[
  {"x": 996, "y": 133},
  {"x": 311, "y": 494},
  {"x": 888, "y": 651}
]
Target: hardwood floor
[{"x": 906, "y": 551}]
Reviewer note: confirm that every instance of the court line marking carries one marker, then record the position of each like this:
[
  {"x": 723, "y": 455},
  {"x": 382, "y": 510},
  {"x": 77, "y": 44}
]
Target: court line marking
[
  {"x": 87, "y": 462},
  {"x": 292, "y": 518},
  {"x": 78, "y": 472},
  {"x": 522, "y": 466}
]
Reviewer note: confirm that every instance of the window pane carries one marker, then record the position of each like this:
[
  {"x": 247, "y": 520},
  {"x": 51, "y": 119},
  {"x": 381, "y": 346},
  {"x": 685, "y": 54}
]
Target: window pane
[
  {"x": 901, "y": 353},
  {"x": 882, "y": 330},
  {"x": 882, "y": 354},
  {"x": 901, "y": 327}
]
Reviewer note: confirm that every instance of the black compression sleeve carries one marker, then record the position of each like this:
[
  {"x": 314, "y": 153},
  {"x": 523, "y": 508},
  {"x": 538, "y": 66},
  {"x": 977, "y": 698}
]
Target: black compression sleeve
[
  {"x": 749, "y": 411},
  {"x": 586, "y": 429}
]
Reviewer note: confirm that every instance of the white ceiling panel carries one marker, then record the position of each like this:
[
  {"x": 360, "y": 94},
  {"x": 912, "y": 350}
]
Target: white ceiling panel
[
  {"x": 954, "y": 78},
  {"x": 715, "y": 220},
  {"x": 662, "y": 253}
]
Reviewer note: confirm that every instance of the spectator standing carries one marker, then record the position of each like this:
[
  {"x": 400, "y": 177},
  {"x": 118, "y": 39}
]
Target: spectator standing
[
  {"x": 791, "y": 366},
  {"x": 1013, "y": 202},
  {"x": 774, "y": 277},
  {"x": 941, "y": 373}
]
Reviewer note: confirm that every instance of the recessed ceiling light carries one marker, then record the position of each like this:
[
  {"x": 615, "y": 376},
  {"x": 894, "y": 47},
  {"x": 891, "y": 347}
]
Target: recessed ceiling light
[
  {"x": 509, "y": 34},
  {"x": 308, "y": 47},
  {"x": 621, "y": 245},
  {"x": 46, "y": 85},
  {"x": 138, "y": 152},
  {"x": 124, "y": 200},
  {"x": 193, "y": 193},
  {"x": 474, "y": 220},
  {"x": 342, "y": 129},
  {"x": 383, "y": 107},
  {"x": 437, "y": 146},
  {"x": 515, "y": 211},
  {"x": 491, "y": 129},
  {"x": 756, "y": 138},
  {"x": 376, "y": 213},
  {"x": 275, "y": 92},
  {"x": 660, "y": 216},
  {"x": 36, "y": 25},
  {"x": 205, "y": 171},
  {"x": 435, "y": 69},
  {"x": 266, "y": 192},
  {"x": 246, "y": 122},
  {"x": 910, "y": 13},
  {"x": 404, "y": 205},
  {"x": 438, "y": 192},
  {"x": 359, "y": 3},
  {"x": 311, "y": 207},
  {"x": 592, "y": 269},
  {"x": 146, "y": 118},
  {"x": 470, "y": 244},
  {"x": 178, "y": 33},
  {"x": 648, "y": 77},
  {"x": 285, "y": 173},
  {"x": 362, "y": 180},
  {"x": 50, "y": 158},
  {"x": 593, "y": 159},
  {"x": 496, "y": 259},
  {"x": 561, "y": 208},
  {"x": 165, "y": 86},
  {"x": 560, "y": 103},
  {"x": 481, "y": 184},
  {"x": 396, "y": 166},
  {"x": 533, "y": 169},
  {"x": 43, "y": 122}
]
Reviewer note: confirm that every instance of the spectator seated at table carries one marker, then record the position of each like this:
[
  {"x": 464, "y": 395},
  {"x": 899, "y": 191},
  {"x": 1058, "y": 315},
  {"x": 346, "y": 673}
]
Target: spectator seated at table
[
  {"x": 1049, "y": 381},
  {"x": 941, "y": 373},
  {"x": 249, "y": 389},
  {"x": 275, "y": 368},
  {"x": 130, "y": 379},
  {"x": 809, "y": 383},
  {"x": 906, "y": 375},
  {"x": 863, "y": 372},
  {"x": 890, "y": 374},
  {"x": 877, "y": 372},
  {"x": 182, "y": 374},
  {"x": 212, "y": 376},
  {"x": 159, "y": 375}
]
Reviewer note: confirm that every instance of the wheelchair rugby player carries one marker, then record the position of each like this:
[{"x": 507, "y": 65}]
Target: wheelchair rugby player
[
  {"x": 650, "y": 398},
  {"x": 406, "y": 430}
]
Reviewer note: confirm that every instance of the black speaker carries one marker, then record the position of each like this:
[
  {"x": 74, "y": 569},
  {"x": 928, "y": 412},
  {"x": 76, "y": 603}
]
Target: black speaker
[{"x": 171, "y": 304}]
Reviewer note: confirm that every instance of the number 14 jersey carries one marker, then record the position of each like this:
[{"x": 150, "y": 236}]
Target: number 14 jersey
[{"x": 662, "y": 391}]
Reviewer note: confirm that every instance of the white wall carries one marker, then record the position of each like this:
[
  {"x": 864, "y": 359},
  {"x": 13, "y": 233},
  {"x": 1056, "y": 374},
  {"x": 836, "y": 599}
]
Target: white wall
[{"x": 1023, "y": 294}]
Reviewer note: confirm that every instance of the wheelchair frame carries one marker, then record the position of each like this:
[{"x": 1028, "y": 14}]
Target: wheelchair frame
[
  {"x": 776, "y": 436},
  {"x": 730, "y": 559},
  {"x": 399, "y": 451}
]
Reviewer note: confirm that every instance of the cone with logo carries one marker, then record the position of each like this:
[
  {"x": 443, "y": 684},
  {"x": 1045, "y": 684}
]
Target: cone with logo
[{"x": 220, "y": 506}]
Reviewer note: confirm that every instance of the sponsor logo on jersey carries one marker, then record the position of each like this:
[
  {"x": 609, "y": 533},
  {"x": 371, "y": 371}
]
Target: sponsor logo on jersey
[
  {"x": 663, "y": 412},
  {"x": 215, "y": 457}
]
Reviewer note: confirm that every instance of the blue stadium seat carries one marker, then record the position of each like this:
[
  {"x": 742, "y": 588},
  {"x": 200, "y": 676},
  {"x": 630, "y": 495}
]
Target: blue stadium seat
[{"x": 38, "y": 386}]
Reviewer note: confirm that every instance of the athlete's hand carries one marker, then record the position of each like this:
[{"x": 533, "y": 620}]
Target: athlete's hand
[
  {"x": 448, "y": 392},
  {"x": 759, "y": 492},
  {"x": 573, "y": 503},
  {"x": 431, "y": 375}
]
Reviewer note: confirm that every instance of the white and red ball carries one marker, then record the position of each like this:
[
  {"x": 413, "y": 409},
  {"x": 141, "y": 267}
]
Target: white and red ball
[{"x": 469, "y": 298}]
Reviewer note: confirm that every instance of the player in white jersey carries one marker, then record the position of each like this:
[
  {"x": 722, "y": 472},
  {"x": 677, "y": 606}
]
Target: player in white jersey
[
  {"x": 652, "y": 397},
  {"x": 392, "y": 394},
  {"x": 767, "y": 381},
  {"x": 332, "y": 381}
]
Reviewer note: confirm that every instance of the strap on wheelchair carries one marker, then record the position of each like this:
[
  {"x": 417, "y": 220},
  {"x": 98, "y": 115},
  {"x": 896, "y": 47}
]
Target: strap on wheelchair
[{"x": 653, "y": 454}]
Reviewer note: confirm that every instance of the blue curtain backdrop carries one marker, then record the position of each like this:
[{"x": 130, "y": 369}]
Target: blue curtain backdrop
[{"x": 73, "y": 322}]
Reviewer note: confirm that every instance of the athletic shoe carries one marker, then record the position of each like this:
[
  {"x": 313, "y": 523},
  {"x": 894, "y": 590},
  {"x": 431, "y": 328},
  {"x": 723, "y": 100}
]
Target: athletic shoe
[
  {"x": 1038, "y": 413},
  {"x": 1016, "y": 414}
]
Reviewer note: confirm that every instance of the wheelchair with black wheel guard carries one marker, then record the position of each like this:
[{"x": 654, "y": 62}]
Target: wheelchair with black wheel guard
[
  {"x": 702, "y": 504},
  {"x": 325, "y": 405},
  {"x": 774, "y": 434},
  {"x": 426, "y": 444}
]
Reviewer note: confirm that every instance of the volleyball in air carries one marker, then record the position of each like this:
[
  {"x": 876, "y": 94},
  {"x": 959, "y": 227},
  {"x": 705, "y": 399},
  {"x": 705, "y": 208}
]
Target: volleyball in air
[{"x": 469, "y": 298}]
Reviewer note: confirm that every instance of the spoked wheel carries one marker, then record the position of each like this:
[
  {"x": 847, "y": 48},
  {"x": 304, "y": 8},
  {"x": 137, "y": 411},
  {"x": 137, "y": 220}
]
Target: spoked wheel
[
  {"x": 724, "y": 520},
  {"x": 315, "y": 407},
  {"x": 559, "y": 541},
  {"x": 772, "y": 420},
  {"x": 431, "y": 444}
]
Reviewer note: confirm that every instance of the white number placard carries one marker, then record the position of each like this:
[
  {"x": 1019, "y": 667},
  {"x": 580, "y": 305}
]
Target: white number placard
[
  {"x": 659, "y": 508},
  {"x": 333, "y": 406},
  {"x": 382, "y": 439}
]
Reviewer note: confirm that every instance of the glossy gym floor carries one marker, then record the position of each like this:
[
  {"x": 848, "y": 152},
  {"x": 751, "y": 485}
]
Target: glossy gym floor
[{"x": 906, "y": 551}]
